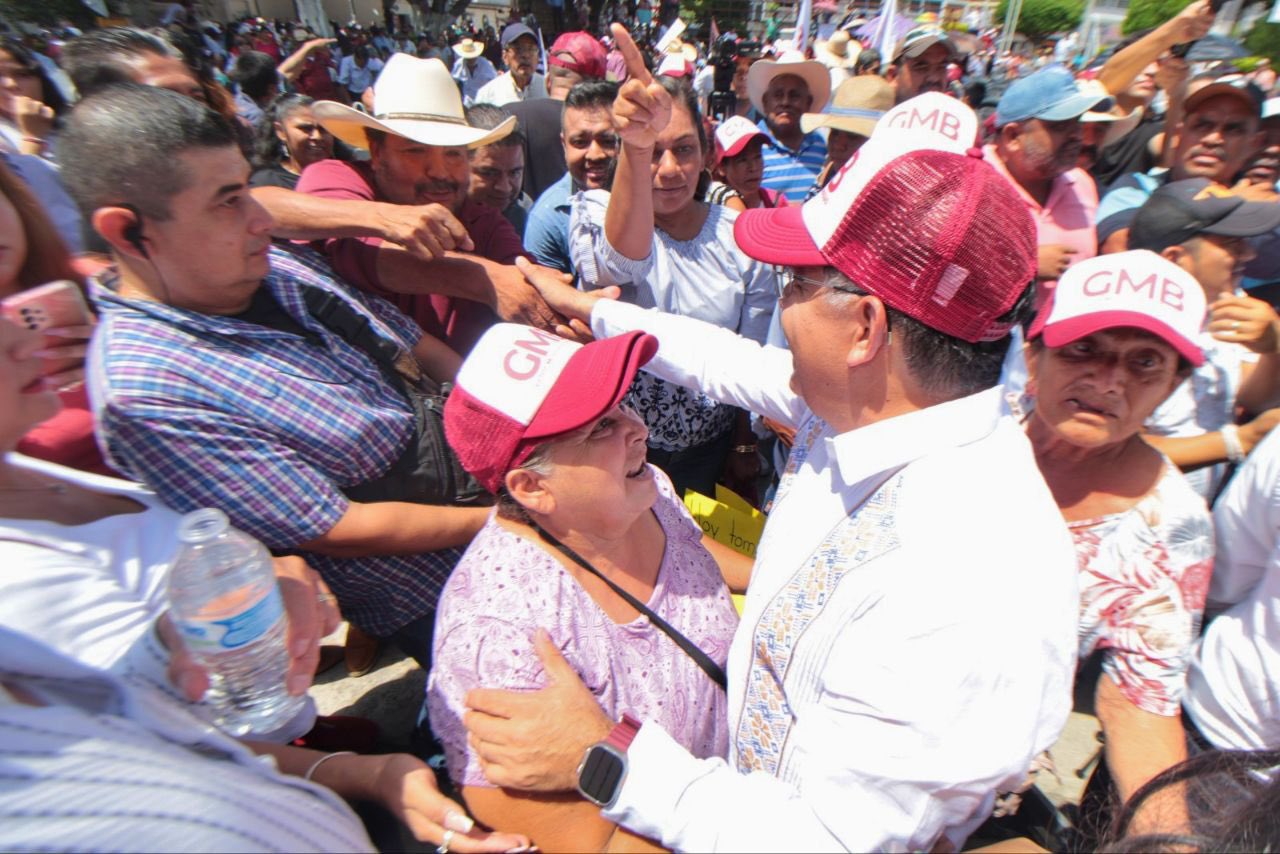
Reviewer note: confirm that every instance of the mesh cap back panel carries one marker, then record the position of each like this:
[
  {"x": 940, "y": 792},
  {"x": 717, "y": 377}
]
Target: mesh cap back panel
[{"x": 942, "y": 238}]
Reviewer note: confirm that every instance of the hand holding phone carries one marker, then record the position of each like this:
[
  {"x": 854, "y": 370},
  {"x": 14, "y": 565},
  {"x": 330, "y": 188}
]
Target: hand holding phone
[{"x": 58, "y": 310}]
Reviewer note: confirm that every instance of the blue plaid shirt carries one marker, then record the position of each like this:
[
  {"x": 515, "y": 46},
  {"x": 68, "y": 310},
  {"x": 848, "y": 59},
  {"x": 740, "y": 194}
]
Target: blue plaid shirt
[
  {"x": 792, "y": 172},
  {"x": 267, "y": 425}
]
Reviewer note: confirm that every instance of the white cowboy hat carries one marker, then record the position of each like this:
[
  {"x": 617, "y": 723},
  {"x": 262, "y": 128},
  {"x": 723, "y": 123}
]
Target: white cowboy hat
[
  {"x": 414, "y": 98},
  {"x": 468, "y": 48},
  {"x": 790, "y": 62}
]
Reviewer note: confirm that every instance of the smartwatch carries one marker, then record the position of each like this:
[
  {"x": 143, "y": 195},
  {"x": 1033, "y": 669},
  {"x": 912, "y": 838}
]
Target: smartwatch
[{"x": 604, "y": 765}]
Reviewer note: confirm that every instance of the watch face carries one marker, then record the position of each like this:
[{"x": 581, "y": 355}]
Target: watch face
[{"x": 601, "y": 775}]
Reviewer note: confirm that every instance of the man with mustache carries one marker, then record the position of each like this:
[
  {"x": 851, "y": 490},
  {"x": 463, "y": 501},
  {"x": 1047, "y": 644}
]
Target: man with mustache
[
  {"x": 1038, "y": 137},
  {"x": 920, "y": 62},
  {"x": 1217, "y": 135},
  {"x": 419, "y": 155},
  {"x": 520, "y": 81},
  {"x": 782, "y": 92}
]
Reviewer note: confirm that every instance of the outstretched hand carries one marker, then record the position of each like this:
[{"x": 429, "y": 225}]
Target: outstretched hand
[
  {"x": 564, "y": 299},
  {"x": 643, "y": 108},
  {"x": 534, "y": 740}
]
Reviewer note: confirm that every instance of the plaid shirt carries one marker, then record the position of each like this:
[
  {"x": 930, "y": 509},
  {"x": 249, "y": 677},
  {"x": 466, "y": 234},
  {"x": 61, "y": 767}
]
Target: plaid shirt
[{"x": 269, "y": 426}]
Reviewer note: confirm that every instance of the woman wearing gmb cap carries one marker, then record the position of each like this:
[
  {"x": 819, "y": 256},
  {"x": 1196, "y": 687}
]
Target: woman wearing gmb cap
[
  {"x": 1102, "y": 355},
  {"x": 589, "y": 543}
]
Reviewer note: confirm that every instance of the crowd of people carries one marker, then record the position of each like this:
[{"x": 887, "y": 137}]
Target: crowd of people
[{"x": 453, "y": 324}]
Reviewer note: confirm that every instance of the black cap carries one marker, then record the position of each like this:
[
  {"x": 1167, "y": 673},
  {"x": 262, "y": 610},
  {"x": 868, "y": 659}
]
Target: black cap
[{"x": 1180, "y": 210}]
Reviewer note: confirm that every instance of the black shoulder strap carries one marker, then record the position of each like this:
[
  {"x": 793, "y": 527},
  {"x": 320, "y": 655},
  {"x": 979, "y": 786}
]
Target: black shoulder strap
[
  {"x": 699, "y": 657},
  {"x": 336, "y": 315}
]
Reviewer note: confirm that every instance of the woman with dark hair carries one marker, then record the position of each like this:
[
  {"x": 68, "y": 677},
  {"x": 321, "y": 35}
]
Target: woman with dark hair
[
  {"x": 665, "y": 248},
  {"x": 30, "y": 102},
  {"x": 1222, "y": 800},
  {"x": 288, "y": 142},
  {"x": 31, "y": 254}
]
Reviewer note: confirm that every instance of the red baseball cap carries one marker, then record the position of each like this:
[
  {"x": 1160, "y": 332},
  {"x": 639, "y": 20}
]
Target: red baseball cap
[
  {"x": 521, "y": 386},
  {"x": 917, "y": 218},
  {"x": 732, "y": 136},
  {"x": 1137, "y": 288},
  {"x": 580, "y": 52}
]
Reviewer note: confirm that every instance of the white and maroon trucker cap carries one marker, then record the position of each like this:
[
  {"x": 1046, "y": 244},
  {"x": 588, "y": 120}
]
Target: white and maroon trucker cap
[
  {"x": 917, "y": 218},
  {"x": 1137, "y": 288},
  {"x": 520, "y": 386}
]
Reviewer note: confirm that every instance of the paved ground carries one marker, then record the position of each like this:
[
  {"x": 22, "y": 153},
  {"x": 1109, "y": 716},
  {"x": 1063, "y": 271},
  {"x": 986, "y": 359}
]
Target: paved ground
[{"x": 392, "y": 693}]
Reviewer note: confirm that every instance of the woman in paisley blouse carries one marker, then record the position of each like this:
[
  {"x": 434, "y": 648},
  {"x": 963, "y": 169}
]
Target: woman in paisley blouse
[
  {"x": 1115, "y": 339},
  {"x": 538, "y": 421}
]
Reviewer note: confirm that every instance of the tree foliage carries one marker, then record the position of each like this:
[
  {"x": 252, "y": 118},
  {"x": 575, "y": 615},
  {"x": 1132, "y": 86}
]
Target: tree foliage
[
  {"x": 1145, "y": 14},
  {"x": 1042, "y": 18},
  {"x": 1264, "y": 40}
]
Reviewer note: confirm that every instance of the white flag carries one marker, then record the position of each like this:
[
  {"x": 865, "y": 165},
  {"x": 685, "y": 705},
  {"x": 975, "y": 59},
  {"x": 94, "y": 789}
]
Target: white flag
[
  {"x": 802, "y": 24},
  {"x": 887, "y": 37}
]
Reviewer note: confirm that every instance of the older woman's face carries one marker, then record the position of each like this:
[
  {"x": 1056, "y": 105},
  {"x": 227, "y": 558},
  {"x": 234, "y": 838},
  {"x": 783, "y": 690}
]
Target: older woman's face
[
  {"x": 599, "y": 471},
  {"x": 1100, "y": 389}
]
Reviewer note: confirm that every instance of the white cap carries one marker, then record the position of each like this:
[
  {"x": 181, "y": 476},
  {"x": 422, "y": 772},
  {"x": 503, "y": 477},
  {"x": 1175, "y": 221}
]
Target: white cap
[
  {"x": 1137, "y": 288},
  {"x": 929, "y": 121}
]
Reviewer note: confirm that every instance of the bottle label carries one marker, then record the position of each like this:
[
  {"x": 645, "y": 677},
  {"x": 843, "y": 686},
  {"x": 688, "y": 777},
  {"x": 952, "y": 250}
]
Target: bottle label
[{"x": 237, "y": 630}]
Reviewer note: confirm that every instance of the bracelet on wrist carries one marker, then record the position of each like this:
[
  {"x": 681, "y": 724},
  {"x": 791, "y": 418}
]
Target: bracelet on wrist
[
  {"x": 745, "y": 449},
  {"x": 323, "y": 759},
  {"x": 1231, "y": 439}
]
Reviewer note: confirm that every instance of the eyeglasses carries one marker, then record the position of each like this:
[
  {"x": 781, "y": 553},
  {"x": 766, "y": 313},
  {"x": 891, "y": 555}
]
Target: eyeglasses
[{"x": 786, "y": 276}]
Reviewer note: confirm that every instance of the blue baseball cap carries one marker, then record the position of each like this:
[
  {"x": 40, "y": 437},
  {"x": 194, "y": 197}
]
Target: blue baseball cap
[
  {"x": 1050, "y": 94},
  {"x": 515, "y": 31}
]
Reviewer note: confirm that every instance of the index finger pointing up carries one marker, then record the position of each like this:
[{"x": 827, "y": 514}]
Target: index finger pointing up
[{"x": 631, "y": 55}]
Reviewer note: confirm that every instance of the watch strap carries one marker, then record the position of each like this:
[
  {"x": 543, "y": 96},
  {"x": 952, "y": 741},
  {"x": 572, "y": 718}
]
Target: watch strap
[{"x": 623, "y": 733}]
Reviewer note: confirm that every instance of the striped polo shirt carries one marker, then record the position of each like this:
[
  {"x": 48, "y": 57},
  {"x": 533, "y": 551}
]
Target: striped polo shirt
[{"x": 792, "y": 171}]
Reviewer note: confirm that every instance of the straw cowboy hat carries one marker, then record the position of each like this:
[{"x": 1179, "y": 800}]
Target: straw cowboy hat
[
  {"x": 835, "y": 52},
  {"x": 858, "y": 104},
  {"x": 468, "y": 48},
  {"x": 414, "y": 98},
  {"x": 790, "y": 62},
  {"x": 685, "y": 50}
]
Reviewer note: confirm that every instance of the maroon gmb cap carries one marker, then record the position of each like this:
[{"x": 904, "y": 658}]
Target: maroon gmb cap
[
  {"x": 520, "y": 386},
  {"x": 580, "y": 52},
  {"x": 917, "y": 218}
]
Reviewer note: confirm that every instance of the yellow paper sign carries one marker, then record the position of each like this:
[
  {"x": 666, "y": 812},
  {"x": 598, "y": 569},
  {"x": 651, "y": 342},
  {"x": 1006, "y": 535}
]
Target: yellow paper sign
[{"x": 727, "y": 519}]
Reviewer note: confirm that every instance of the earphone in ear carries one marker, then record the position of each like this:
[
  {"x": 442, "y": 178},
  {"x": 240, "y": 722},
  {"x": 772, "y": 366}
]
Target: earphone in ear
[
  {"x": 133, "y": 234},
  {"x": 133, "y": 231}
]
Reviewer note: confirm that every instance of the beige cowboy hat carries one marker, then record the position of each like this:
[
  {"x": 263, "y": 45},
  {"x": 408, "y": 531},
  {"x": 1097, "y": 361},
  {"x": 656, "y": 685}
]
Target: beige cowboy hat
[
  {"x": 839, "y": 51},
  {"x": 468, "y": 48},
  {"x": 685, "y": 50},
  {"x": 790, "y": 62},
  {"x": 414, "y": 98},
  {"x": 858, "y": 104},
  {"x": 1119, "y": 125}
]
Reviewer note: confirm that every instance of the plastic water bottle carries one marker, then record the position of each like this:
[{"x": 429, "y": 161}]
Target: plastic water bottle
[{"x": 225, "y": 601}]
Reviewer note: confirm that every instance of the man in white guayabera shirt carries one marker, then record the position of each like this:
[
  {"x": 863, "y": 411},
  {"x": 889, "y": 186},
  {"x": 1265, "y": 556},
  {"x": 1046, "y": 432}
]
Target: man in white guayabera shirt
[{"x": 908, "y": 640}]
